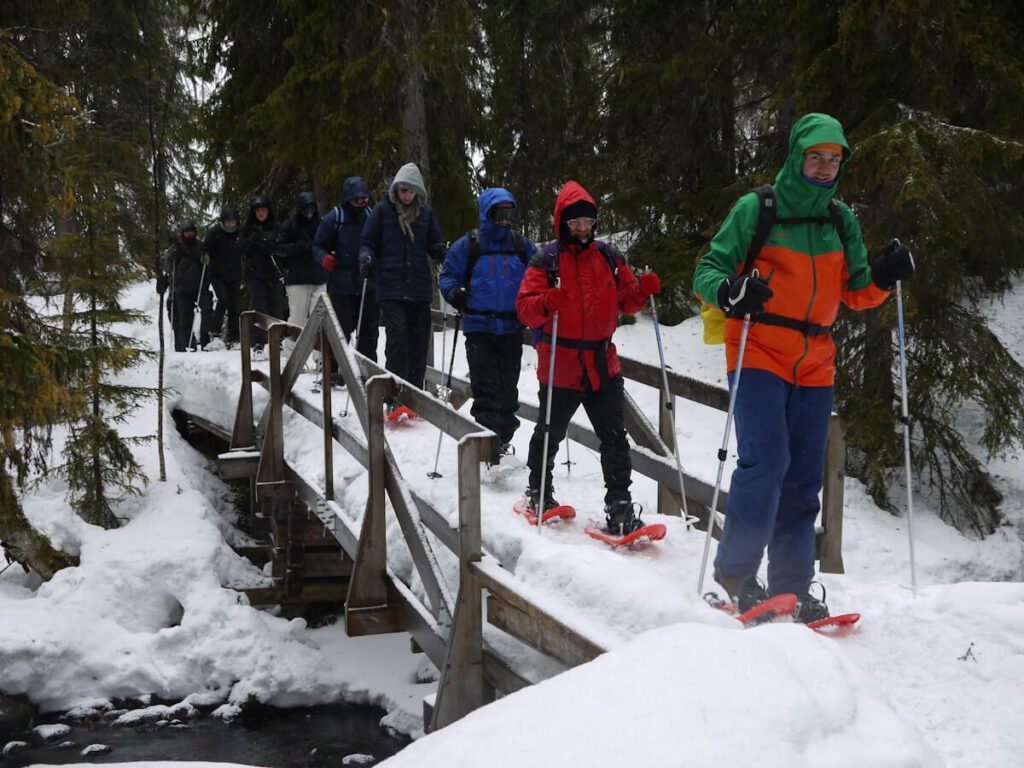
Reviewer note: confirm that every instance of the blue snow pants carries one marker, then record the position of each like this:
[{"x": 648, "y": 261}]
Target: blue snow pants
[{"x": 781, "y": 432}]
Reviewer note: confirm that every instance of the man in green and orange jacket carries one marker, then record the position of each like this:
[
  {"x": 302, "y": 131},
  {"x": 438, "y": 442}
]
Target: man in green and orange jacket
[{"x": 792, "y": 291}]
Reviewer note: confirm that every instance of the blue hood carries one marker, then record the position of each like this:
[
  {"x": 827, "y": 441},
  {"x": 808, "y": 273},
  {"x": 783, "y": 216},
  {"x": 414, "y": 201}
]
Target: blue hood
[
  {"x": 354, "y": 187},
  {"x": 491, "y": 197}
]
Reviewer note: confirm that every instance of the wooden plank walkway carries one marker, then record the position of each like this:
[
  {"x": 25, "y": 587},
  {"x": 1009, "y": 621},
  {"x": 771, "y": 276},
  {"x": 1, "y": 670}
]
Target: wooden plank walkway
[{"x": 447, "y": 627}]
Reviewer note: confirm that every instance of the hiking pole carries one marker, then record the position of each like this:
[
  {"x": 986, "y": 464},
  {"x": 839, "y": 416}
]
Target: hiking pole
[
  {"x": 568, "y": 460},
  {"x": 447, "y": 393},
  {"x": 905, "y": 418},
  {"x": 722, "y": 452},
  {"x": 359, "y": 328},
  {"x": 671, "y": 412},
  {"x": 194, "y": 339},
  {"x": 547, "y": 420}
]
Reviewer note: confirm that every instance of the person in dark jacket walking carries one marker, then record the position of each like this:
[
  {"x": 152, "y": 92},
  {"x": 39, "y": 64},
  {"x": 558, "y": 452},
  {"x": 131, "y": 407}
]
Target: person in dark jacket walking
[
  {"x": 783, "y": 403},
  {"x": 263, "y": 275},
  {"x": 336, "y": 247},
  {"x": 588, "y": 300},
  {"x": 225, "y": 272},
  {"x": 480, "y": 278},
  {"x": 400, "y": 238},
  {"x": 185, "y": 261},
  {"x": 304, "y": 279}
]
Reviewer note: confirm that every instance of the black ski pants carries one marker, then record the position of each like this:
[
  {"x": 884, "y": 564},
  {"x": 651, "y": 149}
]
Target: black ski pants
[
  {"x": 266, "y": 296},
  {"x": 227, "y": 306},
  {"x": 606, "y": 410},
  {"x": 183, "y": 314},
  {"x": 346, "y": 307},
  {"x": 494, "y": 363},
  {"x": 407, "y": 324}
]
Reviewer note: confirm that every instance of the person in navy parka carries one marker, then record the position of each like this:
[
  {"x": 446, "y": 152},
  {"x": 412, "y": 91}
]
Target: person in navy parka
[
  {"x": 336, "y": 247},
  {"x": 401, "y": 237},
  {"x": 481, "y": 279}
]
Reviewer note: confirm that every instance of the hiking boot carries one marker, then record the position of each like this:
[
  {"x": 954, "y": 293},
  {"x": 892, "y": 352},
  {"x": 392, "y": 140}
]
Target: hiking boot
[
  {"x": 744, "y": 591},
  {"x": 622, "y": 517},
  {"x": 532, "y": 494},
  {"x": 810, "y": 608},
  {"x": 506, "y": 449}
]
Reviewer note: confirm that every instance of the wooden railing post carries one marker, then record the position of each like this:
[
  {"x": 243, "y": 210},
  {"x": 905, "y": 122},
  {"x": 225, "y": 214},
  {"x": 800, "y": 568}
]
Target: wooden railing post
[
  {"x": 242, "y": 436},
  {"x": 830, "y": 540},
  {"x": 462, "y": 687},
  {"x": 366, "y": 608},
  {"x": 325, "y": 385}
]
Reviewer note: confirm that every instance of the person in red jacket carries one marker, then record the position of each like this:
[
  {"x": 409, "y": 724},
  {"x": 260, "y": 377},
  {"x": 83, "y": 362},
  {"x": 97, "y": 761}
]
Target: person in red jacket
[{"x": 587, "y": 283}]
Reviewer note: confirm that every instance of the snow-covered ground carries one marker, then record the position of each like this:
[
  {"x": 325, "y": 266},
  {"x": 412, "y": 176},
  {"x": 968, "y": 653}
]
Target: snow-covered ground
[{"x": 927, "y": 679}]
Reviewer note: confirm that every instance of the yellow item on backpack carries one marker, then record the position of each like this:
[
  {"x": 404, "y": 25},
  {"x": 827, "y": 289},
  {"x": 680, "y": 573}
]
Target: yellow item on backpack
[{"x": 714, "y": 324}]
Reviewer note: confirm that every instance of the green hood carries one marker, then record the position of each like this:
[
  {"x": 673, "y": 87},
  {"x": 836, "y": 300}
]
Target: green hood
[{"x": 797, "y": 196}]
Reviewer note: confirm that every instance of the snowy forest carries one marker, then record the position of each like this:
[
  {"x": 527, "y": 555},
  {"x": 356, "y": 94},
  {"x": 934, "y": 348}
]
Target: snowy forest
[{"x": 120, "y": 117}]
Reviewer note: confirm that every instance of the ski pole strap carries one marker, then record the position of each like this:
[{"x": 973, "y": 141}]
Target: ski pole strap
[
  {"x": 512, "y": 316},
  {"x": 808, "y": 329}
]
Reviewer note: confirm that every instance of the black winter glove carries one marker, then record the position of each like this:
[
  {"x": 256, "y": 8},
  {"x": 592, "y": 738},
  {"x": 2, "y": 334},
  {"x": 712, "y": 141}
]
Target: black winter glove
[
  {"x": 743, "y": 295},
  {"x": 895, "y": 263},
  {"x": 161, "y": 284},
  {"x": 459, "y": 298},
  {"x": 366, "y": 268}
]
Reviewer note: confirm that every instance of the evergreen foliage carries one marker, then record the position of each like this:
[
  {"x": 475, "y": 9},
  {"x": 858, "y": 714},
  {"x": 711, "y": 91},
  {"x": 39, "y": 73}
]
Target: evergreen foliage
[{"x": 666, "y": 112}]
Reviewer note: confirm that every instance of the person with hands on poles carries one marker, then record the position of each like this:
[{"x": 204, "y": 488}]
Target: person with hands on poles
[
  {"x": 585, "y": 283},
  {"x": 812, "y": 259},
  {"x": 480, "y": 278},
  {"x": 187, "y": 260},
  {"x": 336, "y": 247}
]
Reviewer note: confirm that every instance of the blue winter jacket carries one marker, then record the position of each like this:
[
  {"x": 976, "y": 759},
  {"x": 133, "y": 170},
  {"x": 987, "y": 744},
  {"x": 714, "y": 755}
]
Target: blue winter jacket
[
  {"x": 401, "y": 268},
  {"x": 344, "y": 239},
  {"x": 494, "y": 283}
]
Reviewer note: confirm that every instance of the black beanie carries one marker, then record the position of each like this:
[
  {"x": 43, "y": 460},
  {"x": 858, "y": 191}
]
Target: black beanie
[{"x": 578, "y": 209}]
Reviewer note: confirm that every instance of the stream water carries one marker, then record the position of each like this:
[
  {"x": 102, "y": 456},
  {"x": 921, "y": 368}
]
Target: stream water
[{"x": 330, "y": 735}]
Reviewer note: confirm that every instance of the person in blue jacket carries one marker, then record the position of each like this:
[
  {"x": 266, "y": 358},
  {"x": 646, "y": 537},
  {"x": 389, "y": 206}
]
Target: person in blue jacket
[
  {"x": 336, "y": 247},
  {"x": 400, "y": 238},
  {"x": 480, "y": 278}
]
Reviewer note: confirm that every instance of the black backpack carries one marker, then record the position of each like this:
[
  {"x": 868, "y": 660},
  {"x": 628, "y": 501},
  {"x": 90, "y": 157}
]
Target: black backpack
[
  {"x": 767, "y": 217},
  {"x": 550, "y": 254}
]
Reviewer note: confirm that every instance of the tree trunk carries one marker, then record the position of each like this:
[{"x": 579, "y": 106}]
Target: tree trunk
[
  {"x": 24, "y": 543},
  {"x": 415, "y": 146}
]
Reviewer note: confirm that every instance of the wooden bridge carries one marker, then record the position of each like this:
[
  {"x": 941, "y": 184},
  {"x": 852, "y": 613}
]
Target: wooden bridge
[{"x": 318, "y": 555}]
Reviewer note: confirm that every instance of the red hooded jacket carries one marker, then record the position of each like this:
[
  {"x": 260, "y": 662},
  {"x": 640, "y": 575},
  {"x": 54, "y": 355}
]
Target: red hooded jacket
[{"x": 597, "y": 298}]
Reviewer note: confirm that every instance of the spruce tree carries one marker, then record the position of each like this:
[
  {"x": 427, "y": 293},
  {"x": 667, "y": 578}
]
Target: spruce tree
[{"x": 38, "y": 117}]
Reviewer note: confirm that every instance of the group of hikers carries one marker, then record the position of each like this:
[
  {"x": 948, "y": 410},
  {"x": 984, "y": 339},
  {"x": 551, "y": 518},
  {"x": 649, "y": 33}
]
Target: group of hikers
[{"x": 376, "y": 264}]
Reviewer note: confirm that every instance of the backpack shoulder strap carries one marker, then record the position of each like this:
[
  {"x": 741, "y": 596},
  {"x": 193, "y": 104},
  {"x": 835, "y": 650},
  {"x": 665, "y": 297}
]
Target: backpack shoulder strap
[
  {"x": 519, "y": 243},
  {"x": 474, "y": 254},
  {"x": 612, "y": 255},
  {"x": 835, "y": 212},
  {"x": 767, "y": 213},
  {"x": 549, "y": 262},
  {"x": 339, "y": 219}
]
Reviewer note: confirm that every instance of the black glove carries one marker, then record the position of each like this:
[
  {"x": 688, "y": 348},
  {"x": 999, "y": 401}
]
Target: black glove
[
  {"x": 459, "y": 298},
  {"x": 161, "y": 284},
  {"x": 366, "y": 268},
  {"x": 743, "y": 295},
  {"x": 895, "y": 263}
]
